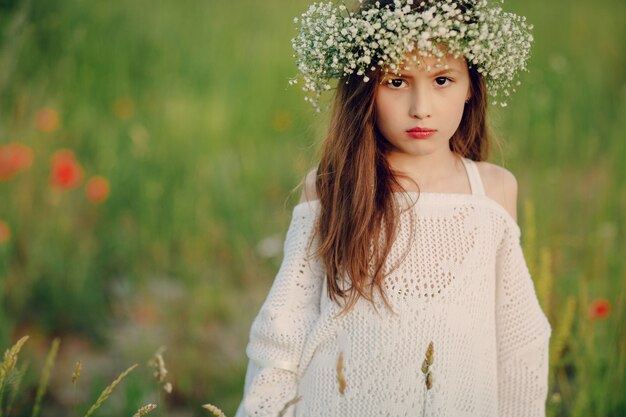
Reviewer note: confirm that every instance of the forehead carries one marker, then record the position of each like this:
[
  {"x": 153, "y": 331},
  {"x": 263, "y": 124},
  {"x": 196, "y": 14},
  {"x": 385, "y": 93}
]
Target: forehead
[{"x": 416, "y": 62}]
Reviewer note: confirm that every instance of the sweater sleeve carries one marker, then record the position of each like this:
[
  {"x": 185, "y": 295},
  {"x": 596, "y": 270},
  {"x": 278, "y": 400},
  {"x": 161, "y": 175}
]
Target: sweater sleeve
[
  {"x": 286, "y": 317},
  {"x": 523, "y": 334}
]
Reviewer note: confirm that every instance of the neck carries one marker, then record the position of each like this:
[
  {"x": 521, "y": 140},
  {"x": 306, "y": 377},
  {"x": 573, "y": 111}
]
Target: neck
[{"x": 429, "y": 170}]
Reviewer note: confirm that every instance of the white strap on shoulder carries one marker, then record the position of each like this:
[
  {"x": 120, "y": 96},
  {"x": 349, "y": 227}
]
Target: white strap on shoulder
[{"x": 476, "y": 182}]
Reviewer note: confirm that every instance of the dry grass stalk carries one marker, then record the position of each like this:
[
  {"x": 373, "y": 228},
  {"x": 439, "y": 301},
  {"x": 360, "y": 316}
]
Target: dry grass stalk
[
  {"x": 45, "y": 376},
  {"x": 14, "y": 381},
  {"x": 167, "y": 387},
  {"x": 75, "y": 376},
  {"x": 341, "y": 378},
  {"x": 6, "y": 367},
  {"x": 214, "y": 410},
  {"x": 429, "y": 381},
  {"x": 144, "y": 410},
  {"x": 160, "y": 372},
  {"x": 10, "y": 359},
  {"x": 287, "y": 405},
  {"x": 427, "y": 363},
  {"x": 108, "y": 390},
  {"x": 76, "y": 373},
  {"x": 429, "y": 353}
]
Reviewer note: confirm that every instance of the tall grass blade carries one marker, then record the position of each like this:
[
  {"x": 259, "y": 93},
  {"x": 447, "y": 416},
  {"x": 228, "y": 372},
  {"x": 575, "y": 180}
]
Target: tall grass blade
[
  {"x": 45, "y": 376},
  {"x": 108, "y": 390}
]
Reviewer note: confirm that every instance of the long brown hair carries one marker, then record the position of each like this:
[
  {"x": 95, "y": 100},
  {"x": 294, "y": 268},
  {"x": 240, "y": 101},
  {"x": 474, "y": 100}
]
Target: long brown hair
[{"x": 355, "y": 184}]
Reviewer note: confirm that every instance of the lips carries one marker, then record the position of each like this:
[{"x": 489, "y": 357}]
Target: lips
[{"x": 420, "y": 132}]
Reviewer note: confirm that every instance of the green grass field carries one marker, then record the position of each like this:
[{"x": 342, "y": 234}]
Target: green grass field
[{"x": 185, "y": 109}]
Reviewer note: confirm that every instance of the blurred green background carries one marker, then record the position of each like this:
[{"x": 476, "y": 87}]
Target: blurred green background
[{"x": 185, "y": 110}]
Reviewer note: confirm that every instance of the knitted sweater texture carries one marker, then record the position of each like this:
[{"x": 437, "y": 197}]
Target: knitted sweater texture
[{"x": 462, "y": 284}]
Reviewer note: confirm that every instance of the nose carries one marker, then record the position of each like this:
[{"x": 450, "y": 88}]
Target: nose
[{"x": 421, "y": 103}]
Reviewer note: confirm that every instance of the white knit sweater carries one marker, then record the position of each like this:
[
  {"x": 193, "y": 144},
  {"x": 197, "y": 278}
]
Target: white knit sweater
[{"x": 464, "y": 286}]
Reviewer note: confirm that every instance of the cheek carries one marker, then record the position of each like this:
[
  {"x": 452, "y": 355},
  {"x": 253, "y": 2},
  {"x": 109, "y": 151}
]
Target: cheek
[
  {"x": 454, "y": 110},
  {"x": 454, "y": 117},
  {"x": 458, "y": 111}
]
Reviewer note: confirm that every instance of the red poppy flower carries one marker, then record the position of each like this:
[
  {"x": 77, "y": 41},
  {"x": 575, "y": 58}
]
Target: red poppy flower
[
  {"x": 599, "y": 309},
  {"x": 48, "y": 120},
  {"x": 97, "y": 189},
  {"x": 66, "y": 173},
  {"x": 14, "y": 157},
  {"x": 5, "y": 232}
]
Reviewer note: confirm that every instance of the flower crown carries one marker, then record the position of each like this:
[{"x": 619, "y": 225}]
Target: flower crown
[{"x": 333, "y": 41}]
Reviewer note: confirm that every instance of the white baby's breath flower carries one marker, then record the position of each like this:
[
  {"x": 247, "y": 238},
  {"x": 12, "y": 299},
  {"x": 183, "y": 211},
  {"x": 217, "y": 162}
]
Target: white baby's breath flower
[{"x": 333, "y": 42}]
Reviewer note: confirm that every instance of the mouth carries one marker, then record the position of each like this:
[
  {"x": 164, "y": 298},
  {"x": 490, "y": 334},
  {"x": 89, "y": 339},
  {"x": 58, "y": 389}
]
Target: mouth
[{"x": 420, "y": 132}]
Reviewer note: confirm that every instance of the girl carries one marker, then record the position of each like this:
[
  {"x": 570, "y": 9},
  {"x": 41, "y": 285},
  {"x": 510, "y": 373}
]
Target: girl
[{"x": 403, "y": 289}]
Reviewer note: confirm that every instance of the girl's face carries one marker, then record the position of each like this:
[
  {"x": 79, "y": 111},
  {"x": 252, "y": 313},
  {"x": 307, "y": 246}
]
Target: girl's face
[{"x": 419, "y": 99}]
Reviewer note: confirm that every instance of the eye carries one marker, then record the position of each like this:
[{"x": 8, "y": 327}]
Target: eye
[
  {"x": 396, "y": 82},
  {"x": 441, "y": 81}
]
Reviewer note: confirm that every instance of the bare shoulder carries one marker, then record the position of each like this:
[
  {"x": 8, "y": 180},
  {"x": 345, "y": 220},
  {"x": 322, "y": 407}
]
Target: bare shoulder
[
  {"x": 500, "y": 185},
  {"x": 308, "y": 188}
]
